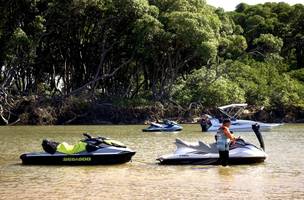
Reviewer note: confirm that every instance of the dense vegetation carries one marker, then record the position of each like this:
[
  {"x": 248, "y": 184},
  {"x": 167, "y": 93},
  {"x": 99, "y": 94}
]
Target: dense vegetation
[{"x": 62, "y": 56}]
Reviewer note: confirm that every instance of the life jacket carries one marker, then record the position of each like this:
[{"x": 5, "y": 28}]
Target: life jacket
[
  {"x": 222, "y": 141},
  {"x": 71, "y": 149}
]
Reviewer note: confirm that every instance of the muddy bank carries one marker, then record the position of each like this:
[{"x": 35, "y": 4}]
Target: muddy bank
[{"x": 36, "y": 110}]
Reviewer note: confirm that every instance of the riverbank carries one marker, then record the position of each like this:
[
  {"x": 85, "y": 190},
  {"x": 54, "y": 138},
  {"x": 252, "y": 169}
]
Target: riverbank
[{"x": 35, "y": 110}]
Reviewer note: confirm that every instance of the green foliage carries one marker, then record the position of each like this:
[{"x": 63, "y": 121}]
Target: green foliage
[
  {"x": 267, "y": 43},
  {"x": 134, "y": 52},
  {"x": 205, "y": 87},
  {"x": 265, "y": 85},
  {"x": 280, "y": 20},
  {"x": 232, "y": 46},
  {"x": 297, "y": 74}
]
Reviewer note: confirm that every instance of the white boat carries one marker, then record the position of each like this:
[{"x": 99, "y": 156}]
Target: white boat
[{"x": 232, "y": 112}]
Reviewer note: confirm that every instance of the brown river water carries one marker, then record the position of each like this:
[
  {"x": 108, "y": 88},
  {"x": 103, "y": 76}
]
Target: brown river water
[{"x": 280, "y": 177}]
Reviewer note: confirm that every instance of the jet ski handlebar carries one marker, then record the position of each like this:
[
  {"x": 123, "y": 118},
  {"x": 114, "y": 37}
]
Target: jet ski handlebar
[
  {"x": 256, "y": 127},
  {"x": 256, "y": 130},
  {"x": 93, "y": 140},
  {"x": 87, "y": 135}
]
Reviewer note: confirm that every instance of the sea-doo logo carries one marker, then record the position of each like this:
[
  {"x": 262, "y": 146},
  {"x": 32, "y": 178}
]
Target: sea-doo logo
[{"x": 80, "y": 159}]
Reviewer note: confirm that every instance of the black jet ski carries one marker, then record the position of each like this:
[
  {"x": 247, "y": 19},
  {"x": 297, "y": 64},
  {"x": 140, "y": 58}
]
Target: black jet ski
[
  {"x": 241, "y": 152},
  {"x": 99, "y": 151}
]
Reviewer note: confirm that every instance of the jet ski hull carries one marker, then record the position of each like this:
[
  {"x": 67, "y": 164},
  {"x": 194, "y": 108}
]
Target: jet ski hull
[
  {"x": 201, "y": 153},
  {"x": 76, "y": 159},
  {"x": 162, "y": 130},
  {"x": 210, "y": 161}
]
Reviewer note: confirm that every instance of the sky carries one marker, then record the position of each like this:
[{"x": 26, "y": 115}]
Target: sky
[{"x": 229, "y": 5}]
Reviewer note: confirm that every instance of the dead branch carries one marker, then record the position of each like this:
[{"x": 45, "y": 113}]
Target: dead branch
[
  {"x": 98, "y": 78},
  {"x": 1, "y": 115},
  {"x": 76, "y": 116},
  {"x": 13, "y": 123}
]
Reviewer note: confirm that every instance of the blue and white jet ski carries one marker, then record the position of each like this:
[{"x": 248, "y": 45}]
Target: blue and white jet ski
[{"x": 168, "y": 126}]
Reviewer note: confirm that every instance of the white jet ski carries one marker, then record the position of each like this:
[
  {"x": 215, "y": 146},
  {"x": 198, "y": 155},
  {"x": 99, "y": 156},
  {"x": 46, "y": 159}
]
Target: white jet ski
[
  {"x": 201, "y": 153},
  {"x": 232, "y": 112}
]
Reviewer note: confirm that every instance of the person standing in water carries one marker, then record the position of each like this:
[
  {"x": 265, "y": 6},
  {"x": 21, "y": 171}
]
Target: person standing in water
[
  {"x": 205, "y": 123},
  {"x": 223, "y": 138}
]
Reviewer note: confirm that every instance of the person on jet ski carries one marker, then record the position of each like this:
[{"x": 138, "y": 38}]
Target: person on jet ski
[{"x": 223, "y": 138}]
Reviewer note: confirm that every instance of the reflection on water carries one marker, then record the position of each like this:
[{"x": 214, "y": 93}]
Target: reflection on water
[{"x": 280, "y": 177}]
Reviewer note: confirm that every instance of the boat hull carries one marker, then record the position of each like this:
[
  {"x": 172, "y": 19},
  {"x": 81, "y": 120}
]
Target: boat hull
[
  {"x": 241, "y": 129},
  {"x": 242, "y": 126}
]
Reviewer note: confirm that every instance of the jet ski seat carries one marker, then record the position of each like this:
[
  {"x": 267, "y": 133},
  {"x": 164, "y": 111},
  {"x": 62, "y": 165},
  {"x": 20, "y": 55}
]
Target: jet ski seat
[
  {"x": 49, "y": 146},
  {"x": 201, "y": 146},
  {"x": 213, "y": 148},
  {"x": 156, "y": 124}
]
